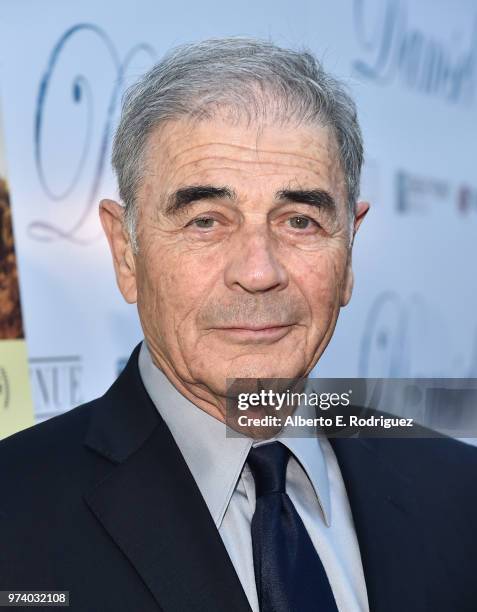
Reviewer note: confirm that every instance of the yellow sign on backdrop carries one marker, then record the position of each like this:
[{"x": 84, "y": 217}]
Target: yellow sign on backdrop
[{"x": 16, "y": 409}]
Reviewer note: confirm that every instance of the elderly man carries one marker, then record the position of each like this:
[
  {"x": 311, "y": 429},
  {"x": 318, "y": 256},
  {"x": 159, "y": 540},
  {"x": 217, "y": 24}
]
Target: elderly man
[{"x": 238, "y": 165}]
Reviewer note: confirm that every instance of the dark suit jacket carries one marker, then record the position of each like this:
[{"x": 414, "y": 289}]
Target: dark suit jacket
[{"x": 99, "y": 501}]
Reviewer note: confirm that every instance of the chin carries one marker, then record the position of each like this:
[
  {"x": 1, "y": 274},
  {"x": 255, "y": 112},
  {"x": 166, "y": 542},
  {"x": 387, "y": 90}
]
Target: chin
[
  {"x": 241, "y": 378},
  {"x": 263, "y": 369}
]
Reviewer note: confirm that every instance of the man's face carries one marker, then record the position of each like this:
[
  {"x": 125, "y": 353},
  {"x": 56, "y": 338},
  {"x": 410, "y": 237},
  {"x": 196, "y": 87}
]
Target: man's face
[{"x": 243, "y": 259}]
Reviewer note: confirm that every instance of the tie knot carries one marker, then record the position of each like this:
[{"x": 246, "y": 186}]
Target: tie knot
[{"x": 268, "y": 464}]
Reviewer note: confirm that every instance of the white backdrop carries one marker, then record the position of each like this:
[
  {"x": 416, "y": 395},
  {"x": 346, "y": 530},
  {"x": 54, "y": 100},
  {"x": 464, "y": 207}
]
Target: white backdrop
[{"x": 412, "y": 66}]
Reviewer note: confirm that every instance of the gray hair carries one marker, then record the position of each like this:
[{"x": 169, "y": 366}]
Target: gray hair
[{"x": 250, "y": 78}]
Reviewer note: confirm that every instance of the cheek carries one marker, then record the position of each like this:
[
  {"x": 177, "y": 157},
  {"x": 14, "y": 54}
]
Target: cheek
[
  {"x": 319, "y": 279},
  {"x": 172, "y": 291},
  {"x": 164, "y": 296}
]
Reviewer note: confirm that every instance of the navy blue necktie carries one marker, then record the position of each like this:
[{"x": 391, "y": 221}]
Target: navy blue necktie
[{"x": 288, "y": 572}]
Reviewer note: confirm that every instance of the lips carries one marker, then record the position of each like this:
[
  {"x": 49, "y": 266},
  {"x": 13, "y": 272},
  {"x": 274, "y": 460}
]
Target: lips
[
  {"x": 255, "y": 333},
  {"x": 257, "y": 327}
]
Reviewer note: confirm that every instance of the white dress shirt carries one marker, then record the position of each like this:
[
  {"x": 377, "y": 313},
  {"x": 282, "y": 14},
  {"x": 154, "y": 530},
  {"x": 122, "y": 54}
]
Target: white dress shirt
[{"x": 313, "y": 483}]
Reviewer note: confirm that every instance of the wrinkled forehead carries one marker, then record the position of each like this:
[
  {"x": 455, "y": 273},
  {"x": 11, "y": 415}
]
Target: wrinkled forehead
[{"x": 185, "y": 150}]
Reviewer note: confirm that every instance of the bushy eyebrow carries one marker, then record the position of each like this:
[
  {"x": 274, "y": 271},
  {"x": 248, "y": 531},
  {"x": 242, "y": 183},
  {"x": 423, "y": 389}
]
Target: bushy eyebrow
[
  {"x": 319, "y": 198},
  {"x": 183, "y": 197}
]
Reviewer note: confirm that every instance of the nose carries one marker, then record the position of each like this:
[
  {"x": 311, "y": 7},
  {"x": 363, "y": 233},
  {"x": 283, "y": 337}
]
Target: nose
[{"x": 252, "y": 264}]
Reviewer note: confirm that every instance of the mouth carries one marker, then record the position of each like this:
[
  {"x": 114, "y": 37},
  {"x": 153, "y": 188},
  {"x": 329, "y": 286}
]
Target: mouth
[{"x": 252, "y": 333}]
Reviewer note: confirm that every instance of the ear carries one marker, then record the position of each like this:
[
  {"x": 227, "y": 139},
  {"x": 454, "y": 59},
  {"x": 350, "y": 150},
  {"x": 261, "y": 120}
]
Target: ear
[
  {"x": 347, "y": 288},
  {"x": 111, "y": 215}
]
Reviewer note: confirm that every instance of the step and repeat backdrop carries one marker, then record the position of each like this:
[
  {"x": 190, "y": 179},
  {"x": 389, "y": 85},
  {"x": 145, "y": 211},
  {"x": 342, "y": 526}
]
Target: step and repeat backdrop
[{"x": 412, "y": 67}]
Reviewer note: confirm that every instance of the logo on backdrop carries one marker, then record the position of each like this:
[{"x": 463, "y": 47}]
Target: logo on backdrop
[
  {"x": 466, "y": 199},
  {"x": 420, "y": 194},
  {"x": 394, "y": 49},
  {"x": 56, "y": 384},
  {"x": 4, "y": 389},
  {"x": 71, "y": 98}
]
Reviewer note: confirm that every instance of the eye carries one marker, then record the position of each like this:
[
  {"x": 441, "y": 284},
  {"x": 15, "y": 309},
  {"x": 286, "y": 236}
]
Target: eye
[
  {"x": 203, "y": 222},
  {"x": 301, "y": 222}
]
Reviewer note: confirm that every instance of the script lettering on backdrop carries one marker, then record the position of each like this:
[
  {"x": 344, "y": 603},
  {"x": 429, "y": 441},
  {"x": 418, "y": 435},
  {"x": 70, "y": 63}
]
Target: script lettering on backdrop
[
  {"x": 395, "y": 49},
  {"x": 81, "y": 97},
  {"x": 399, "y": 331}
]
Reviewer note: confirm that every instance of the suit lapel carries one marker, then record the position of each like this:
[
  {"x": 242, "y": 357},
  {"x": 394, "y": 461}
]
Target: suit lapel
[
  {"x": 386, "y": 518},
  {"x": 152, "y": 508}
]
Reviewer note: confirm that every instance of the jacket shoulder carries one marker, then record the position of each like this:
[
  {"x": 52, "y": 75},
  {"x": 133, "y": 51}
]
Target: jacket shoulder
[
  {"x": 45, "y": 455},
  {"x": 43, "y": 437},
  {"x": 437, "y": 468}
]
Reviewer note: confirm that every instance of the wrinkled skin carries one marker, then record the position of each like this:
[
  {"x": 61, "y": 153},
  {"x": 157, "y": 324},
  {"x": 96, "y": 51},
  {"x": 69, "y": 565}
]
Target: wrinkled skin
[{"x": 252, "y": 260}]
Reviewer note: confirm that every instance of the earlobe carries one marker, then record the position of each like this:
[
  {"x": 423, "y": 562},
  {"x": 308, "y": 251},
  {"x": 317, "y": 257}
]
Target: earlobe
[
  {"x": 111, "y": 215},
  {"x": 347, "y": 288}
]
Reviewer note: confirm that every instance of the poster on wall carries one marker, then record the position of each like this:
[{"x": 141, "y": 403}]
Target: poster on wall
[{"x": 16, "y": 408}]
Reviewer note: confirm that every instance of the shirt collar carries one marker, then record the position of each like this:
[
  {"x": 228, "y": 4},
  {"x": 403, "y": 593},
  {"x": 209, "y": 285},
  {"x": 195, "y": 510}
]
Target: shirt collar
[
  {"x": 307, "y": 450},
  {"x": 215, "y": 460}
]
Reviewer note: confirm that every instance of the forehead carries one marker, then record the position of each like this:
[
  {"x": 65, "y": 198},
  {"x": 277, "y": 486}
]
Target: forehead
[{"x": 185, "y": 151}]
